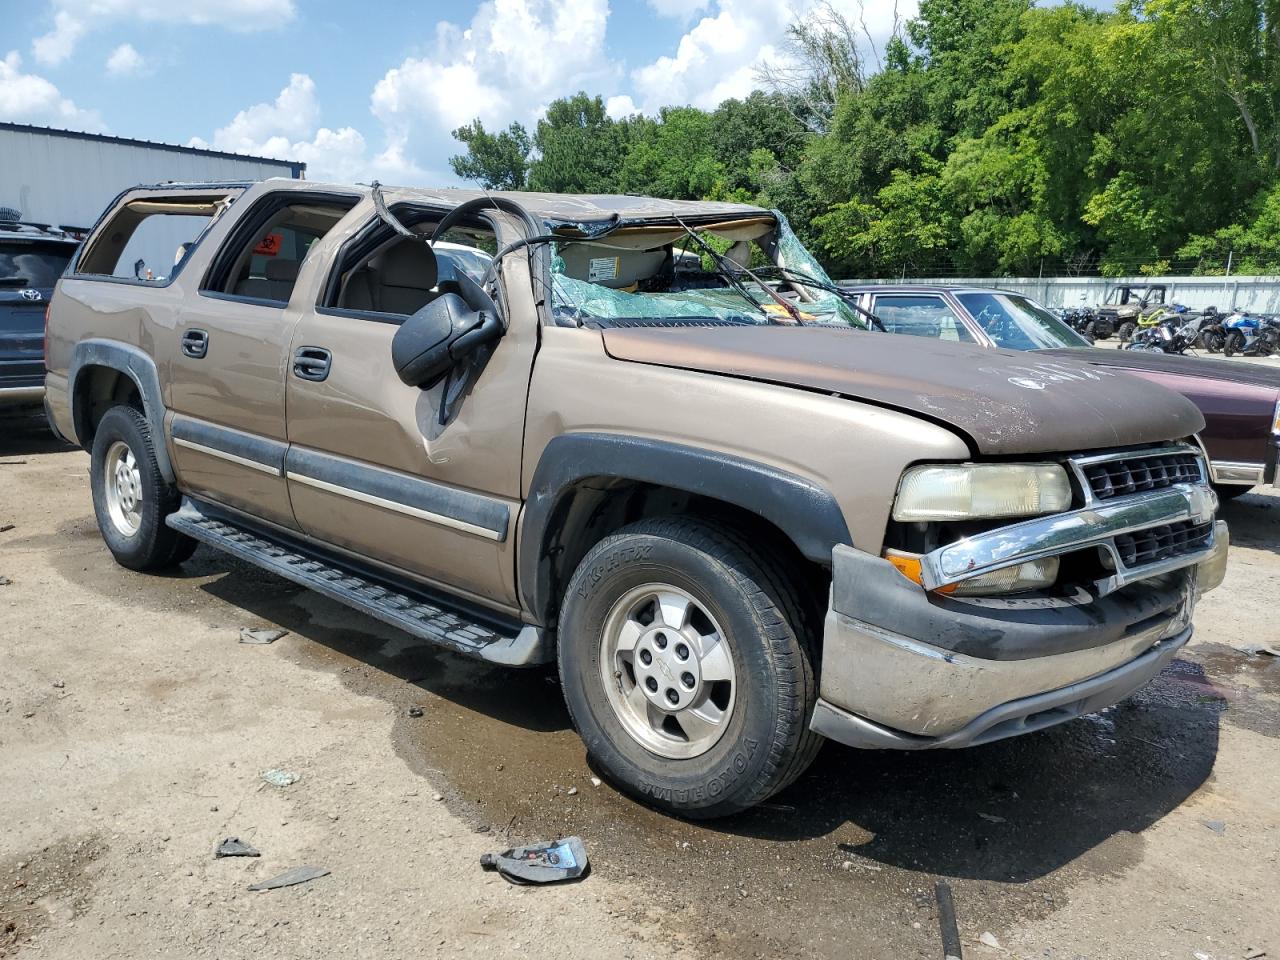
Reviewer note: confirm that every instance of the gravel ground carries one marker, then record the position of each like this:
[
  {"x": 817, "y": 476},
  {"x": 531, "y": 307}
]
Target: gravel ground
[{"x": 134, "y": 730}]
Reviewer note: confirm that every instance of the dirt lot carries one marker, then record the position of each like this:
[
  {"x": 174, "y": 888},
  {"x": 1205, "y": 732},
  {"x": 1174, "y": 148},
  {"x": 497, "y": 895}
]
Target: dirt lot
[{"x": 134, "y": 729}]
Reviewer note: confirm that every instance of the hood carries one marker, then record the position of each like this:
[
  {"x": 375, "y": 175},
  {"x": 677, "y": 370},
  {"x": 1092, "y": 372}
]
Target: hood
[
  {"x": 1253, "y": 374},
  {"x": 1002, "y": 402}
]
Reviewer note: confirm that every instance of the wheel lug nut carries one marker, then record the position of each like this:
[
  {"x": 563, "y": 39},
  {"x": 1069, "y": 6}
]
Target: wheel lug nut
[
  {"x": 646, "y": 657},
  {"x": 672, "y": 697},
  {"x": 682, "y": 651},
  {"x": 652, "y": 684},
  {"x": 687, "y": 679},
  {"x": 661, "y": 640}
]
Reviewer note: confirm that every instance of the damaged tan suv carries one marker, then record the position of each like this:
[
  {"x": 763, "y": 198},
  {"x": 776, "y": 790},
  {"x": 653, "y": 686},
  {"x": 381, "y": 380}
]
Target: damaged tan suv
[{"x": 650, "y": 441}]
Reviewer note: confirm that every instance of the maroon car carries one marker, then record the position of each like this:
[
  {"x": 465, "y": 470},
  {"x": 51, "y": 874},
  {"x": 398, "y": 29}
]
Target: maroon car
[{"x": 1240, "y": 401}]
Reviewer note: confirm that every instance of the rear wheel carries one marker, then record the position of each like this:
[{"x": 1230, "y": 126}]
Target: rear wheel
[
  {"x": 686, "y": 668},
  {"x": 130, "y": 496},
  {"x": 1233, "y": 343}
]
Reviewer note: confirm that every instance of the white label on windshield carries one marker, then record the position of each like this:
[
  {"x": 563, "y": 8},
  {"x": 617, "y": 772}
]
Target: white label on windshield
[{"x": 602, "y": 268}]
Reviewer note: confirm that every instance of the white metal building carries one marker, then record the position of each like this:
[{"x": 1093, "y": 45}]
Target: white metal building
[{"x": 66, "y": 179}]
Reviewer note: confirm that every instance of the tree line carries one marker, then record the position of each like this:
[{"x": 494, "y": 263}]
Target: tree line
[{"x": 988, "y": 137}]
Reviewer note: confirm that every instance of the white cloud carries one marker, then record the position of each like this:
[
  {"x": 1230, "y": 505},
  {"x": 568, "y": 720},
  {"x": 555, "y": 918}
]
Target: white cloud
[
  {"x": 513, "y": 58},
  {"x": 718, "y": 57},
  {"x": 287, "y": 128},
  {"x": 71, "y": 18},
  {"x": 683, "y": 10},
  {"x": 124, "y": 61},
  {"x": 27, "y": 98},
  {"x": 620, "y": 106}
]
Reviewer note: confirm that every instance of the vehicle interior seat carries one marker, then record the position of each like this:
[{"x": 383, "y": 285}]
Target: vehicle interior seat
[
  {"x": 281, "y": 275},
  {"x": 401, "y": 279}
]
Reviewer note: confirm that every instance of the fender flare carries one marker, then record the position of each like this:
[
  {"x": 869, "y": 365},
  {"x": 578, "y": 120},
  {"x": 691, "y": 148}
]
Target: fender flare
[
  {"x": 805, "y": 512},
  {"x": 138, "y": 367}
]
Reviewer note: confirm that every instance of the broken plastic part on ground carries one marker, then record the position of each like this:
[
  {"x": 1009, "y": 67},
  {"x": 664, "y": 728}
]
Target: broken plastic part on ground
[
  {"x": 291, "y": 878},
  {"x": 553, "y": 862}
]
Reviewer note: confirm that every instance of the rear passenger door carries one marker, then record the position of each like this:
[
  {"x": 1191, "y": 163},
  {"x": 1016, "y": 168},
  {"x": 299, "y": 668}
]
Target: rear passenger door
[{"x": 228, "y": 354}]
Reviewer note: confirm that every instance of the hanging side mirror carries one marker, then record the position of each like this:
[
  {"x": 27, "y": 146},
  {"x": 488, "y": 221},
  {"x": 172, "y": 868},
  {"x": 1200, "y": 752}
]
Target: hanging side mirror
[{"x": 439, "y": 337}]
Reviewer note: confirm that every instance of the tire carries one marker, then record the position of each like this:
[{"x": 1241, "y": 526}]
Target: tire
[
  {"x": 761, "y": 742},
  {"x": 1213, "y": 342},
  {"x": 1126, "y": 331},
  {"x": 1090, "y": 331},
  {"x": 130, "y": 497},
  {"x": 1233, "y": 343}
]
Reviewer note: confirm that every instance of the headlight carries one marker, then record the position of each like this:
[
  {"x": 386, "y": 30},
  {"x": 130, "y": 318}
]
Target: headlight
[{"x": 982, "y": 490}]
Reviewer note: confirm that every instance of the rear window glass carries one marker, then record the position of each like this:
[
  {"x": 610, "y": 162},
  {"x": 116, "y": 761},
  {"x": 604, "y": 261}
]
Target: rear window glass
[{"x": 28, "y": 263}]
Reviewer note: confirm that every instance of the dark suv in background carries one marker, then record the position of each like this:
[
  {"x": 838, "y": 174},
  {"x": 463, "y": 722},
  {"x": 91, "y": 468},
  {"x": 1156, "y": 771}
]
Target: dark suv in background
[{"x": 32, "y": 258}]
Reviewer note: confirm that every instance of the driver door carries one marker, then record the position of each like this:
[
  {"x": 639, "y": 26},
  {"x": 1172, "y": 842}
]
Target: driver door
[{"x": 371, "y": 469}]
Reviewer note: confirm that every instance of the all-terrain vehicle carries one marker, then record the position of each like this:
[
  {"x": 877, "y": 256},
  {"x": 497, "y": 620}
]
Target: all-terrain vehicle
[
  {"x": 1127, "y": 303},
  {"x": 737, "y": 517}
]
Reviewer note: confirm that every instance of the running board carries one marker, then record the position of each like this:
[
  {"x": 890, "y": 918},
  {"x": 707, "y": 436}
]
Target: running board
[{"x": 426, "y": 616}]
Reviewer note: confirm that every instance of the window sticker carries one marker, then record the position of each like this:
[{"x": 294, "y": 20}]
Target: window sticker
[
  {"x": 602, "y": 268},
  {"x": 269, "y": 245}
]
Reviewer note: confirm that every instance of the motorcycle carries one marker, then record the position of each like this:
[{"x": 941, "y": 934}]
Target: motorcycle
[
  {"x": 1210, "y": 336},
  {"x": 1170, "y": 336},
  {"x": 1249, "y": 336}
]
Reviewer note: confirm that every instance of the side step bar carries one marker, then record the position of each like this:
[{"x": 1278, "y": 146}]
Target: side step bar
[{"x": 415, "y": 611}]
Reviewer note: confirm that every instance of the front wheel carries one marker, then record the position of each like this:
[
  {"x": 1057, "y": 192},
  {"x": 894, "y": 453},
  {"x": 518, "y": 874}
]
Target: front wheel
[
  {"x": 130, "y": 496},
  {"x": 1126, "y": 331},
  {"x": 1233, "y": 343},
  {"x": 687, "y": 668}
]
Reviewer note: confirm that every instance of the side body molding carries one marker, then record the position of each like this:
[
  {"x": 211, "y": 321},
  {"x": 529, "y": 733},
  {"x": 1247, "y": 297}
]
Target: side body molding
[
  {"x": 136, "y": 365},
  {"x": 805, "y": 512}
]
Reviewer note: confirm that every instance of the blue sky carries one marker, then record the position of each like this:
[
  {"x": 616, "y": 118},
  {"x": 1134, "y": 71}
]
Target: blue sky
[{"x": 359, "y": 90}]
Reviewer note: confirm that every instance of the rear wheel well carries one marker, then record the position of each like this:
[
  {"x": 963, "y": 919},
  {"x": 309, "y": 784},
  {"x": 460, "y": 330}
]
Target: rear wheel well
[
  {"x": 97, "y": 390},
  {"x": 594, "y": 507}
]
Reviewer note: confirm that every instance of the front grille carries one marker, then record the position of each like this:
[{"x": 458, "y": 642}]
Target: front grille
[
  {"x": 1134, "y": 474},
  {"x": 1160, "y": 543}
]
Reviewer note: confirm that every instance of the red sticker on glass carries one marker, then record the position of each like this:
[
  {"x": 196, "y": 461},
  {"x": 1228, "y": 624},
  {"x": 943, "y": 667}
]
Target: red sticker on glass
[{"x": 269, "y": 245}]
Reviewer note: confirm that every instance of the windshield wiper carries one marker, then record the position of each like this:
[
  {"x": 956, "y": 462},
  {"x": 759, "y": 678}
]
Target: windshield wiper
[
  {"x": 729, "y": 275},
  {"x": 849, "y": 299}
]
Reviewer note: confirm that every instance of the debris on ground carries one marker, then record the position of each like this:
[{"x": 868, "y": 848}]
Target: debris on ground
[
  {"x": 414, "y": 711},
  {"x": 234, "y": 847},
  {"x": 542, "y": 863},
  {"x": 59, "y": 685},
  {"x": 988, "y": 939},
  {"x": 1252, "y": 953},
  {"x": 1258, "y": 650},
  {"x": 261, "y": 636},
  {"x": 280, "y": 778},
  {"x": 992, "y": 818},
  {"x": 947, "y": 927},
  {"x": 5, "y": 582},
  {"x": 573, "y": 791},
  {"x": 7, "y": 527},
  {"x": 291, "y": 878},
  {"x": 437, "y": 796},
  {"x": 1217, "y": 826},
  {"x": 595, "y": 781}
]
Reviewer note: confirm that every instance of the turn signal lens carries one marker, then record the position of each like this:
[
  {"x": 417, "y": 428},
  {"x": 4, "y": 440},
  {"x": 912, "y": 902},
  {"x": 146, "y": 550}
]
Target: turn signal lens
[
  {"x": 982, "y": 490},
  {"x": 1032, "y": 575}
]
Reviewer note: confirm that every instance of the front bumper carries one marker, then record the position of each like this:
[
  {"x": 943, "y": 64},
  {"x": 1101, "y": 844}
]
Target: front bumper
[{"x": 903, "y": 668}]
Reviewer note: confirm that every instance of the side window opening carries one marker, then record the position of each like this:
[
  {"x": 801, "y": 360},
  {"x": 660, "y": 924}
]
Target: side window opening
[
  {"x": 393, "y": 277},
  {"x": 921, "y": 316},
  {"x": 263, "y": 255},
  {"x": 149, "y": 238}
]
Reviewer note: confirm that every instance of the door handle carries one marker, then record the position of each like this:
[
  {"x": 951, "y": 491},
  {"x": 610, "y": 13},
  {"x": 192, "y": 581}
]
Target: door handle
[
  {"x": 195, "y": 344},
  {"x": 312, "y": 363}
]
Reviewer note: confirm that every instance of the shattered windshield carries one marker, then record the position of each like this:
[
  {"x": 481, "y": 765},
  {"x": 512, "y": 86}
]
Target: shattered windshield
[
  {"x": 1016, "y": 323},
  {"x": 749, "y": 271}
]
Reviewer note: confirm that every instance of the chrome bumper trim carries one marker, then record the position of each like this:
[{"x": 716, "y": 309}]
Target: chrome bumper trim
[
  {"x": 1235, "y": 472},
  {"x": 1095, "y": 525}
]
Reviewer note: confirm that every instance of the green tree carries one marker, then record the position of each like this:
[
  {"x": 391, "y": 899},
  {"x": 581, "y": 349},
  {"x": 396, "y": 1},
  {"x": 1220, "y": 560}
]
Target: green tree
[
  {"x": 580, "y": 149},
  {"x": 499, "y": 160}
]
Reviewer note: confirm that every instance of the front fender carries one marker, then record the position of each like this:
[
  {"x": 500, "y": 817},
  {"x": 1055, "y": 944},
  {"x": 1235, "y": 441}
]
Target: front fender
[{"x": 804, "y": 511}]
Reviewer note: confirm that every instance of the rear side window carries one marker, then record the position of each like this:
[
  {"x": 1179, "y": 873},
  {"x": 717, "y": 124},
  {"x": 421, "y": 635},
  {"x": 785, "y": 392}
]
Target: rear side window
[
  {"x": 921, "y": 316},
  {"x": 262, "y": 255},
  {"x": 148, "y": 239},
  {"x": 33, "y": 263}
]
